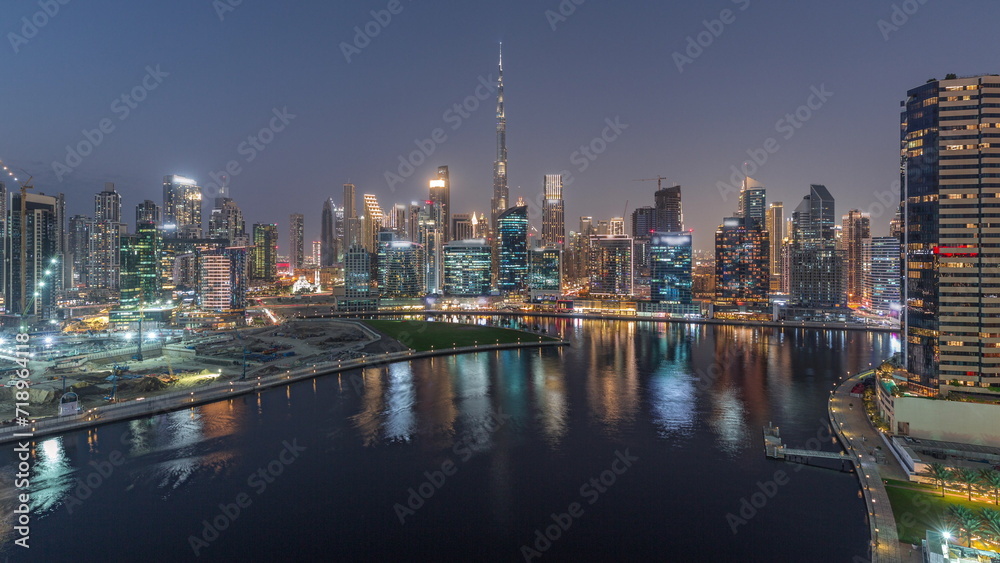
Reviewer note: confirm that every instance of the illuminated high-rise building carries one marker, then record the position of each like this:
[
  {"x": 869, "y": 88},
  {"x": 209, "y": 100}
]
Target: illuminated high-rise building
[
  {"x": 880, "y": 276},
  {"x": 35, "y": 257},
  {"x": 753, "y": 204},
  {"x": 182, "y": 207},
  {"x": 776, "y": 231},
  {"x": 226, "y": 222},
  {"x": 856, "y": 230},
  {"x": 951, "y": 192},
  {"x": 140, "y": 266},
  {"x": 512, "y": 234},
  {"x": 401, "y": 269},
  {"x": 371, "y": 223},
  {"x": 264, "y": 256},
  {"x": 670, "y": 267},
  {"x": 611, "y": 266},
  {"x": 501, "y": 195},
  {"x": 352, "y": 223},
  {"x": 467, "y": 268},
  {"x": 742, "y": 264},
  {"x": 817, "y": 276},
  {"x": 545, "y": 271},
  {"x": 553, "y": 211},
  {"x": 78, "y": 248},
  {"x": 296, "y": 240},
  {"x": 147, "y": 211},
  {"x": 440, "y": 193},
  {"x": 616, "y": 226}
]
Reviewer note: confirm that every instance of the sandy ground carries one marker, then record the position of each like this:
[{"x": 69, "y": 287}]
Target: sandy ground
[{"x": 306, "y": 342}]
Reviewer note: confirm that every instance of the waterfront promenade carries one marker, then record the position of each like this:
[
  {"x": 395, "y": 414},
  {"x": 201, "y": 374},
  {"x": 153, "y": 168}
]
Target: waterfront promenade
[
  {"x": 859, "y": 439},
  {"x": 602, "y": 317},
  {"x": 233, "y": 387}
]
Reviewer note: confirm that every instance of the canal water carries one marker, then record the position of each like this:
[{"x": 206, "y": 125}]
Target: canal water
[{"x": 641, "y": 440}]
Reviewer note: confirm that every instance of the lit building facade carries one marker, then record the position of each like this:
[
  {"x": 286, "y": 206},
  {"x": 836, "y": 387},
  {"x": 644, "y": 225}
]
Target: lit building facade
[
  {"x": 545, "y": 270},
  {"x": 553, "y": 211},
  {"x": 856, "y": 231},
  {"x": 264, "y": 258},
  {"x": 296, "y": 240},
  {"x": 742, "y": 264},
  {"x": 611, "y": 266},
  {"x": 881, "y": 275},
  {"x": 467, "y": 266},
  {"x": 670, "y": 267},
  {"x": 950, "y": 146},
  {"x": 401, "y": 269},
  {"x": 512, "y": 231},
  {"x": 182, "y": 206},
  {"x": 140, "y": 266}
]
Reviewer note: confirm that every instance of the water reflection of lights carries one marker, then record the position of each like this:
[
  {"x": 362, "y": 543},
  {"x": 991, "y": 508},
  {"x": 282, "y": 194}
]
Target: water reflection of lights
[
  {"x": 673, "y": 397},
  {"x": 53, "y": 476},
  {"x": 728, "y": 420},
  {"x": 400, "y": 421}
]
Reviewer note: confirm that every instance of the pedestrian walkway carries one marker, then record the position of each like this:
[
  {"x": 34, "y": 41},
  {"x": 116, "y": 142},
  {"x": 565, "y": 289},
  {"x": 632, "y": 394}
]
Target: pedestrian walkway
[{"x": 860, "y": 439}]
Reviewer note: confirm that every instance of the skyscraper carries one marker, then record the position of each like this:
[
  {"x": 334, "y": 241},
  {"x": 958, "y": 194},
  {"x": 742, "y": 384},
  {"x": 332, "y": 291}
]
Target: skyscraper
[
  {"x": 545, "y": 270},
  {"x": 462, "y": 227},
  {"x": 401, "y": 269},
  {"x": 611, "y": 266},
  {"x": 512, "y": 231},
  {"x": 669, "y": 215},
  {"x": 951, "y": 194},
  {"x": 352, "y": 223},
  {"x": 105, "y": 239},
  {"x": 753, "y": 204},
  {"x": 226, "y": 222},
  {"x": 643, "y": 221},
  {"x": 553, "y": 214},
  {"x": 857, "y": 230},
  {"x": 34, "y": 248},
  {"x": 296, "y": 240},
  {"x": 670, "y": 267},
  {"x": 467, "y": 268},
  {"x": 264, "y": 257},
  {"x": 182, "y": 206},
  {"x": 78, "y": 248},
  {"x": 147, "y": 211},
  {"x": 140, "y": 266},
  {"x": 357, "y": 278},
  {"x": 501, "y": 195},
  {"x": 328, "y": 238},
  {"x": 108, "y": 205},
  {"x": 816, "y": 266},
  {"x": 776, "y": 231},
  {"x": 881, "y": 277},
  {"x": 616, "y": 226},
  {"x": 372, "y": 222},
  {"x": 742, "y": 265},
  {"x": 440, "y": 193}
]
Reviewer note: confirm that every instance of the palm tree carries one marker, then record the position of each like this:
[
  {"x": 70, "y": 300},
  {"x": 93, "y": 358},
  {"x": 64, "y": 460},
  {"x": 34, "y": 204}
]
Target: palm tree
[
  {"x": 990, "y": 481},
  {"x": 967, "y": 477},
  {"x": 966, "y": 520},
  {"x": 940, "y": 474},
  {"x": 990, "y": 521}
]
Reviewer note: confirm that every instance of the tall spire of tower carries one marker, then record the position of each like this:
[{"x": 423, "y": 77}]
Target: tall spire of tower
[{"x": 500, "y": 193}]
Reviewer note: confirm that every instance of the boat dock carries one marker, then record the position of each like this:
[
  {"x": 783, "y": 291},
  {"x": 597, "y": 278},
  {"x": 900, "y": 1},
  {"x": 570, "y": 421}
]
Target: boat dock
[{"x": 775, "y": 449}]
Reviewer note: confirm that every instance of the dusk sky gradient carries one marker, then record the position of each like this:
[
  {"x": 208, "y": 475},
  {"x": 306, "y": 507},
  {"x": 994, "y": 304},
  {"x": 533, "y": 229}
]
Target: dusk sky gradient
[{"x": 353, "y": 120}]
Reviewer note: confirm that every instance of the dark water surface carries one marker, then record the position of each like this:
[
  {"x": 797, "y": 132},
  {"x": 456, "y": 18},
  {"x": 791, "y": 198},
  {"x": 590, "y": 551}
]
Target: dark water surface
[{"x": 669, "y": 416}]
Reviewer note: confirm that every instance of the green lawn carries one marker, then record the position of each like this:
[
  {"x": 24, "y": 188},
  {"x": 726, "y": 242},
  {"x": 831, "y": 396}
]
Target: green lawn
[
  {"x": 422, "y": 335},
  {"x": 917, "y": 511}
]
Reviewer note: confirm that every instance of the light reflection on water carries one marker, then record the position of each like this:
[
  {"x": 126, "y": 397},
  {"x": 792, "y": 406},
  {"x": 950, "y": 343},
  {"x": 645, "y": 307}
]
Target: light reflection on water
[{"x": 663, "y": 389}]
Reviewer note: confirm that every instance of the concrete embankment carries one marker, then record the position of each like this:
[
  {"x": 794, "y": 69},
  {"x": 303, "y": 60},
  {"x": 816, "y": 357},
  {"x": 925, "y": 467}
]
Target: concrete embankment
[{"x": 225, "y": 390}]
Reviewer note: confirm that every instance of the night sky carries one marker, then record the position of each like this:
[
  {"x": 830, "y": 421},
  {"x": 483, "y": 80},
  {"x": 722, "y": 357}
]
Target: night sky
[{"x": 226, "y": 76}]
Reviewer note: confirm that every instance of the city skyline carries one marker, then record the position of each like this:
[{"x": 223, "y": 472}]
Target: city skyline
[{"x": 543, "y": 137}]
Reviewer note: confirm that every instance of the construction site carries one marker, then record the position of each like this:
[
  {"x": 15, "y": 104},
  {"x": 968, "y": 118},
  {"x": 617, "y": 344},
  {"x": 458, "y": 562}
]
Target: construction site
[{"x": 101, "y": 371}]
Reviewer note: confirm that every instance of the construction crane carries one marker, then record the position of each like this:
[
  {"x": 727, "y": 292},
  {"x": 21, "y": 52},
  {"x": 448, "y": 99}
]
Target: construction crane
[{"x": 659, "y": 181}]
